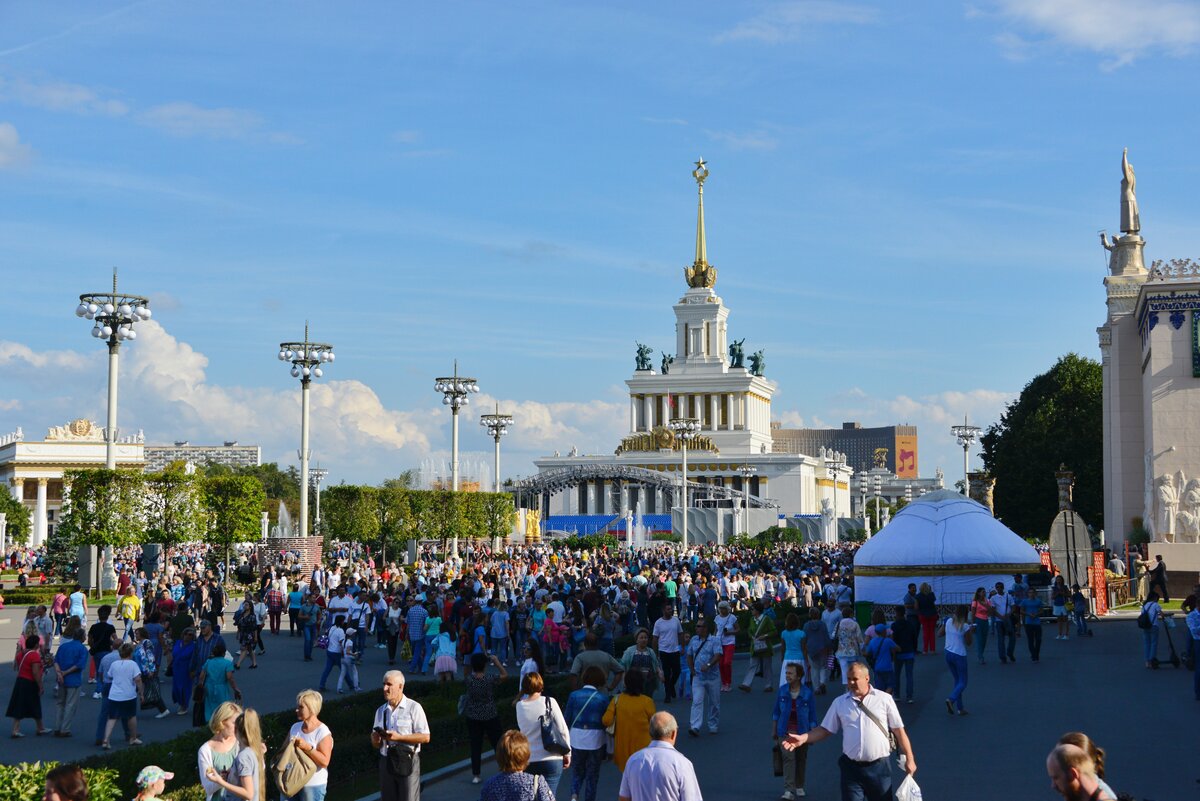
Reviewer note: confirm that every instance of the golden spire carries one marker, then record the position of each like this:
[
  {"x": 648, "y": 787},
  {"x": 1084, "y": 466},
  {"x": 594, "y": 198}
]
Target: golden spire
[{"x": 701, "y": 274}]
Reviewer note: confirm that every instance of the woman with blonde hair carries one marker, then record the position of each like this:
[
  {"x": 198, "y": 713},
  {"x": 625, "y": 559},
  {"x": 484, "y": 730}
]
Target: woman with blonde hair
[
  {"x": 315, "y": 739},
  {"x": 219, "y": 752},
  {"x": 245, "y": 781}
]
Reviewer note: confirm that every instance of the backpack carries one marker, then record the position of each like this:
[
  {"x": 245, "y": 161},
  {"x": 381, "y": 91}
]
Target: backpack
[{"x": 1143, "y": 620}]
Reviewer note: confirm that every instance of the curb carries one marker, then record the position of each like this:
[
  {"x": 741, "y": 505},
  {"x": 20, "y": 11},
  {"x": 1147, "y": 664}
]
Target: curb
[{"x": 441, "y": 774}]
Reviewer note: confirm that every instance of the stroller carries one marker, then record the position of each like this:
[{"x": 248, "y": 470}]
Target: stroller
[{"x": 1168, "y": 624}]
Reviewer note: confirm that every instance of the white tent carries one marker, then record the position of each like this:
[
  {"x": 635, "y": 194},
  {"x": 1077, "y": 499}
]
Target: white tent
[{"x": 947, "y": 540}]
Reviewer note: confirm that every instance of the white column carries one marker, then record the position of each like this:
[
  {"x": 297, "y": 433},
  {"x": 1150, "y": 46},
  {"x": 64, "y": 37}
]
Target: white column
[
  {"x": 304, "y": 455},
  {"x": 714, "y": 420},
  {"x": 18, "y": 489},
  {"x": 648, "y": 410},
  {"x": 746, "y": 411},
  {"x": 110, "y": 433},
  {"x": 39, "y": 519}
]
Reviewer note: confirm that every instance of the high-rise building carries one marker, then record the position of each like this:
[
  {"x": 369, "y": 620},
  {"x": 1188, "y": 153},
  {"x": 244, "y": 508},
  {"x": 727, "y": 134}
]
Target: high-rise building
[
  {"x": 231, "y": 454},
  {"x": 891, "y": 447}
]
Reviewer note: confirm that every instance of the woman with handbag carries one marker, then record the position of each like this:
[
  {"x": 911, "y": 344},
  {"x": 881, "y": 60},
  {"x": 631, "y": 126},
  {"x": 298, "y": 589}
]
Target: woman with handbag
[
  {"x": 541, "y": 721},
  {"x": 143, "y": 655},
  {"x": 762, "y": 630},
  {"x": 795, "y": 712},
  {"x": 314, "y": 739},
  {"x": 479, "y": 707},
  {"x": 629, "y": 714}
]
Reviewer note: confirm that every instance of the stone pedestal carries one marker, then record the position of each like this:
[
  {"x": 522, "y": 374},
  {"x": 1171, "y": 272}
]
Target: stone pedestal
[{"x": 980, "y": 487}]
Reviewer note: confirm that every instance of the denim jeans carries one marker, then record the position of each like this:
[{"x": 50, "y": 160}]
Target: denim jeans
[
  {"x": 309, "y": 794},
  {"x": 1081, "y": 626},
  {"x": 1033, "y": 636},
  {"x": 549, "y": 769},
  {"x": 418, "y": 655},
  {"x": 904, "y": 668},
  {"x": 499, "y": 646},
  {"x": 1006, "y": 642},
  {"x": 958, "y": 671},
  {"x": 332, "y": 660},
  {"x": 309, "y": 638},
  {"x": 585, "y": 772},
  {"x": 706, "y": 703},
  {"x": 1150, "y": 643},
  {"x": 981, "y": 638}
]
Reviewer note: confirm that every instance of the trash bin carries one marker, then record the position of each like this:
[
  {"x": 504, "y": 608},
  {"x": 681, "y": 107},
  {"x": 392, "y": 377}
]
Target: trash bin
[{"x": 862, "y": 613}]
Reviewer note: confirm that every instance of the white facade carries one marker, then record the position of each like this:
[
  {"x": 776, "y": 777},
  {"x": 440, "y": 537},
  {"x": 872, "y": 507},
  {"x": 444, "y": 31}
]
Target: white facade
[{"x": 33, "y": 470}]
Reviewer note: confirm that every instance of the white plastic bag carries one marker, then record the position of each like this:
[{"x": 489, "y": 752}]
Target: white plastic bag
[{"x": 908, "y": 790}]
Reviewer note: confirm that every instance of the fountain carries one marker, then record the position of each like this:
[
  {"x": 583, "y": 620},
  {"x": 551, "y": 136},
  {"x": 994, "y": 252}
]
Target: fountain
[{"x": 283, "y": 527}]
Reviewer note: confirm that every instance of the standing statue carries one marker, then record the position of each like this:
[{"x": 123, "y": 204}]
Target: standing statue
[
  {"x": 667, "y": 361},
  {"x": 1131, "y": 221},
  {"x": 1168, "y": 508},
  {"x": 758, "y": 362},
  {"x": 1188, "y": 528},
  {"x": 643, "y": 356},
  {"x": 737, "y": 355}
]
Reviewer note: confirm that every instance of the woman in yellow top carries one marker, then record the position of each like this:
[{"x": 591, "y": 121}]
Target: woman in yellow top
[{"x": 632, "y": 712}]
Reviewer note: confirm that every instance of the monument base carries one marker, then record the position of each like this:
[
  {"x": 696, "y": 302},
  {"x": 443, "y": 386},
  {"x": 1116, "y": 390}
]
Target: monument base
[{"x": 309, "y": 549}]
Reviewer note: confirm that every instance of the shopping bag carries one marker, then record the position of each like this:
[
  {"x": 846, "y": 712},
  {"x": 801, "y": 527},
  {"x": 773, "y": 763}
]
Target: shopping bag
[
  {"x": 908, "y": 790},
  {"x": 777, "y": 761}
]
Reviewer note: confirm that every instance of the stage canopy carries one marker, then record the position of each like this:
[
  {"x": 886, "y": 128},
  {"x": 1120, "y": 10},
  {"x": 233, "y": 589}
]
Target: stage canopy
[{"x": 947, "y": 540}]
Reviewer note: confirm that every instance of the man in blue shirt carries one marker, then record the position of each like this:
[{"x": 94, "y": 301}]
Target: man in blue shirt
[
  {"x": 1031, "y": 614},
  {"x": 415, "y": 620},
  {"x": 704, "y": 655},
  {"x": 881, "y": 649},
  {"x": 70, "y": 663}
]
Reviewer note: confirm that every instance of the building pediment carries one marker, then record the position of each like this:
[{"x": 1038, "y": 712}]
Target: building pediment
[{"x": 81, "y": 430}]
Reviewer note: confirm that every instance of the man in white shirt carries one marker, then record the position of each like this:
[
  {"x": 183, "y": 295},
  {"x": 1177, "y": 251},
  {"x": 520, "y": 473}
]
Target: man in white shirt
[
  {"x": 861, "y": 716},
  {"x": 658, "y": 772},
  {"x": 1002, "y": 605},
  {"x": 400, "y": 721},
  {"x": 666, "y": 640}
]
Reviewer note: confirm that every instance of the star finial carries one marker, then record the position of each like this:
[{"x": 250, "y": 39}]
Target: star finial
[{"x": 701, "y": 172}]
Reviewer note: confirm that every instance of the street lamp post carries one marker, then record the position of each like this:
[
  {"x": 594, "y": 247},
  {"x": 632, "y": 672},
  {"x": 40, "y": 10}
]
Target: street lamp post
[
  {"x": 684, "y": 429},
  {"x": 747, "y": 471},
  {"x": 306, "y": 358},
  {"x": 456, "y": 391},
  {"x": 864, "y": 484},
  {"x": 497, "y": 426},
  {"x": 966, "y": 435},
  {"x": 316, "y": 476},
  {"x": 115, "y": 314},
  {"x": 878, "y": 492}
]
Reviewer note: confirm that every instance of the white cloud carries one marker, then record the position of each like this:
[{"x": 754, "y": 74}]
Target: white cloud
[
  {"x": 188, "y": 119},
  {"x": 60, "y": 96},
  {"x": 13, "y": 152},
  {"x": 544, "y": 427},
  {"x": 748, "y": 140},
  {"x": 14, "y": 355},
  {"x": 1121, "y": 30},
  {"x": 787, "y": 22}
]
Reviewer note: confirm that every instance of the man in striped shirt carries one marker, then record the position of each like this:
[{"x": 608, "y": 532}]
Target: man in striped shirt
[{"x": 416, "y": 636}]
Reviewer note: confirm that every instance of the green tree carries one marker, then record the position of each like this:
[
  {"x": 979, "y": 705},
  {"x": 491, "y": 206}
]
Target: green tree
[
  {"x": 20, "y": 526},
  {"x": 174, "y": 508},
  {"x": 1056, "y": 420},
  {"x": 391, "y": 512},
  {"x": 234, "y": 506},
  {"x": 348, "y": 512},
  {"x": 498, "y": 513},
  {"x": 105, "y": 508}
]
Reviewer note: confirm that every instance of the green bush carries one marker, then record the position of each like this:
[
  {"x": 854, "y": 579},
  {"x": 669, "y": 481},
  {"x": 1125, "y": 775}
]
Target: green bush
[
  {"x": 26, "y": 781},
  {"x": 349, "y": 718},
  {"x": 666, "y": 536},
  {"x": 17, "y": 595},
  {"x": 588, "y": 541}
]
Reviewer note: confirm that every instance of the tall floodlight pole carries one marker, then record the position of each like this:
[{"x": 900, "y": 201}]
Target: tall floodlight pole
[
  {"x": 497, "y": 426},
  {"x": 878, "y": 493},
  {"x": 966, "y": 435},
  {"x": 747, "y": 472},
  {"x": 456, "y": 391},
  {"x": 316, "y": 476},
  {"x": 115, "y": 314},
  {"x": 863, "y": 485},
  {"x": 306, "y": 358},
  {"x": 684, "y": 429}
]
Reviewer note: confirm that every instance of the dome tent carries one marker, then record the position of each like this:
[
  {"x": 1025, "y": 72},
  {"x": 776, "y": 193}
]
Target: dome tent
[{"x": 947, "y": 540}]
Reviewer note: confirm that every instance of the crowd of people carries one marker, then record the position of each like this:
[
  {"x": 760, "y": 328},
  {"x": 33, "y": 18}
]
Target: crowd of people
[{"x": 628, "y": 630}]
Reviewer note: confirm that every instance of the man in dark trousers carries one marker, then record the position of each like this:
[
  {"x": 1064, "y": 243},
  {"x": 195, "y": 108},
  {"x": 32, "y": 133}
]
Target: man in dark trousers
[{"x": 1158, "y": 578}]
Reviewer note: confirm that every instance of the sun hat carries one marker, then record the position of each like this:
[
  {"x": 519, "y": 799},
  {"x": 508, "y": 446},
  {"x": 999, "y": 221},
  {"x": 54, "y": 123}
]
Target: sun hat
[{"x": 152, "y": 773}]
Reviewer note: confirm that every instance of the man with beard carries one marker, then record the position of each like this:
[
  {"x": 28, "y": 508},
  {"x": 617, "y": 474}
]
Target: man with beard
[{"x": 1073, "y": 774}]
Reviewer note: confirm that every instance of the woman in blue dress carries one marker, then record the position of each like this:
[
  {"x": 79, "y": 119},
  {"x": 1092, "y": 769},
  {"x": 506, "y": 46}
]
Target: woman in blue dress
[
  {"x": 181, "y": 670},
  {"x": 216, "y": 677}
]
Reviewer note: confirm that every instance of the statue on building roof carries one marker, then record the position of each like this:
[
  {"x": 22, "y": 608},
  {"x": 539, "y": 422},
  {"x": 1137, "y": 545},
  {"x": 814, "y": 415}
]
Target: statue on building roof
[
  {"x": 737, "y": 354},
  {"x": 643, "y": 356},
  {"x": 667, "y": 361},
  {"x": 1131, "y": 221},
  {"x": 758, "y": 362}
]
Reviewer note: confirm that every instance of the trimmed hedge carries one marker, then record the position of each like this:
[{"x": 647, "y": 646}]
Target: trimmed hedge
[
  {"x": 27, "y": 782},
  {"x": 348, "y": 717}
]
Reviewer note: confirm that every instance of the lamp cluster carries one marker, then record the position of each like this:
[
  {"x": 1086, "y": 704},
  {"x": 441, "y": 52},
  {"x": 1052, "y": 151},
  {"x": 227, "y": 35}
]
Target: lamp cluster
[
  {"x": 684, "y": 427},
  {"x": 114, "y": 314},
  {"x": 496, "y": 424},
  {"x": 306, "y": 358},
  {"x": 455, "y": 390}
]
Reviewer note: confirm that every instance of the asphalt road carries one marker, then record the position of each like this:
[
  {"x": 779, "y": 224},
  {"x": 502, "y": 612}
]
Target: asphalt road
[{"x": 1097, "y": 685}]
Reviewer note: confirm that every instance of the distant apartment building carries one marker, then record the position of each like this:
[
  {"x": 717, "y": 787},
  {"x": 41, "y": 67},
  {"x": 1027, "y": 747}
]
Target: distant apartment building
[
  {"x": 890, "y": 447},
  {"x": 230, "y": 454}
]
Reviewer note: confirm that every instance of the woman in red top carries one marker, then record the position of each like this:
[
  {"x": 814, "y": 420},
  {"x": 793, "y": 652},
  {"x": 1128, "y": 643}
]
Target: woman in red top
[
  {"x": 981, "y": 612},
  {"x": 26, "y": 699}
]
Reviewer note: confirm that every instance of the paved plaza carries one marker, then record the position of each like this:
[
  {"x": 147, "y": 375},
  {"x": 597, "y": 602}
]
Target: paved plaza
[{"x": 997, "y": 752}]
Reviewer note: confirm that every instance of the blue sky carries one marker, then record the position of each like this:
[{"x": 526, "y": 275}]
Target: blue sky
[{"x": 903, "y": 205}]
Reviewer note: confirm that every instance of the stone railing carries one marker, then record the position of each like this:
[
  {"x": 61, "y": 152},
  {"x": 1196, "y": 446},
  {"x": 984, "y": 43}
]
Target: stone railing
[
  {"x": 16, "y": 436},
  {"x": 1174, "y": 270}
]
